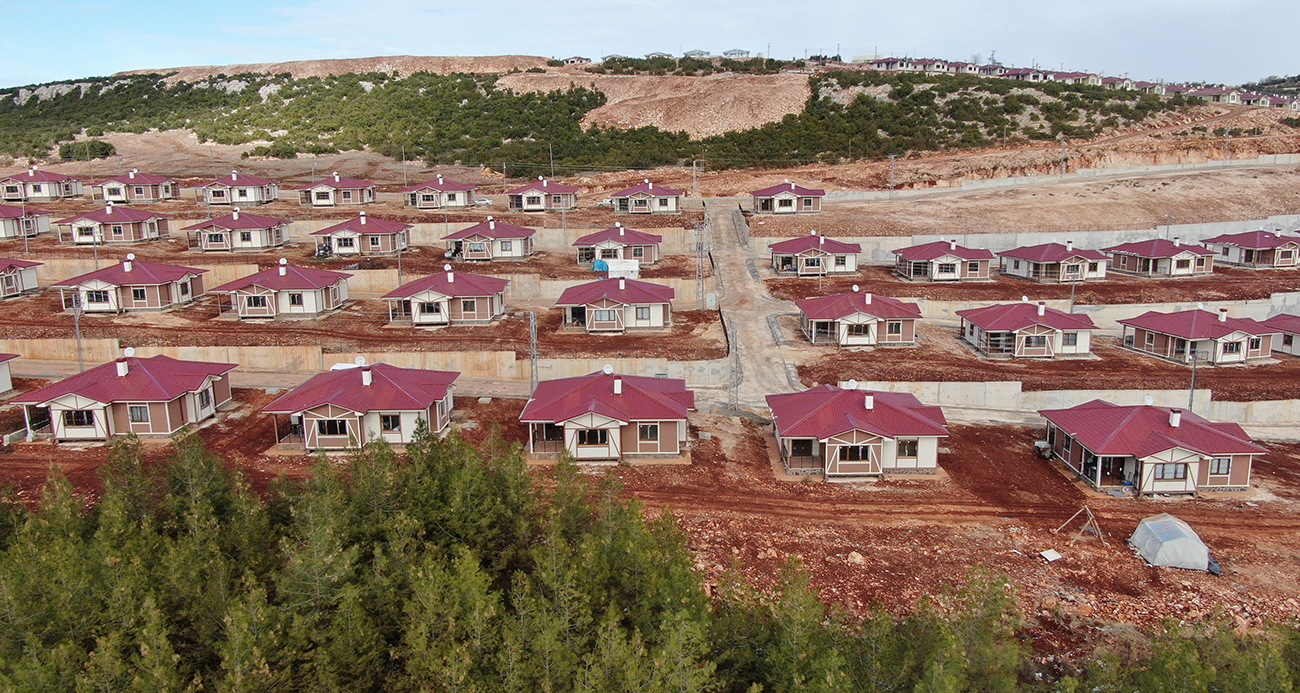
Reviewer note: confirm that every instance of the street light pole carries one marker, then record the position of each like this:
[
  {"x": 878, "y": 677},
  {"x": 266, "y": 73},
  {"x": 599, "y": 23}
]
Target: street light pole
[
  {"x": 22, "y": 225},
  {"x": 76, "y": 325}
]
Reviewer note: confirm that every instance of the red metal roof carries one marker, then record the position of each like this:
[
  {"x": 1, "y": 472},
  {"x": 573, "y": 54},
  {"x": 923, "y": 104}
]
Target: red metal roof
[
  {"x": 1253, "y": 239},
  {"x": 1052, "y": 252},
  {"x": 111, "y": 215},
  {"x": 789, "y": 187},
  {"x": 6, "y": 263},
  {"x": 138, "y": 179},
  {"x": 16, "y": 212},
  {"x": 153, "y": 379},
  {"x": 391, "y": 389},
  {"x": 491, "y": 229},
  {"x": 238, "y": 221},
  {"x": 625, "y": 291},
  {"x": 1144, "y": 430},
  {"x": 826, "y": 410},
  {"x": 441, "y": 184},
  {"x": 1157, "y": 248},
  {"x": 371, "y": 225},
  {"x": 936, "y": 249},
  {"x": 236, "y": 179},
  {"x": 838, "y": 306},
  {"x": 1283, "y": 322},
  {"x": 339, "y": 183},
  {"x": 794, "y": 246},
  {"x": 451, "y": 284},
  {"x": 35, "y": 175},
  {"x": 1010, "y": 317},
  {"x": 620, "y": 234},
  {"x": 7, "y": 357},
  {"x": 546, "y": 186},
  {"x": 293, "y": 278},
  {"x": 642, "y": 399},
  {"x": 142, "y": 273},
  {"x": 1195, "y": 324},
  {"x": 649, "y": 189}
]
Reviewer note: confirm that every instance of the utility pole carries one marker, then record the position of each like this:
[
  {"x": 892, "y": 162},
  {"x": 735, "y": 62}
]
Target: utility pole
[
  {"x": 76, "y": 326},
  {"x": 551, "y": 149},
  {"x": 405, "y": 183},
  {"x": 891, "y": 176},
  {"x": 699, "y": 265},
  {"x": 532, "y": 350},
  {"x": 1191, "y": 394},
  {"x": 22, "y": 224},
  {"x": 1073, "y": 284}
]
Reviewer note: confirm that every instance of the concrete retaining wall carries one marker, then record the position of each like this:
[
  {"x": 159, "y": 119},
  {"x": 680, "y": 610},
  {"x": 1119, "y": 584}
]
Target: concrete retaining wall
[
  {"x": 1285, "y": 411},
  {"x": 1009, "y": 395},
  {"x": 93, "y": 351},
  {"x": 1107, "y": 316},
  {"x": 57, "y": 269}
]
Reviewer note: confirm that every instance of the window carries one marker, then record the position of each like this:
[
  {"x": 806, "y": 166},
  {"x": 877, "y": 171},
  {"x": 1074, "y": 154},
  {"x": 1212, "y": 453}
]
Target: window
[
  {"x": 972, "y": 268},
  {"x": 640, "y": 203},
  {"x": 139, "y": 190},
  {"x": 1036, "y": 341},
  {"x": 216, "y": 238},
  {"x": 216, "y": 193},
  {"x": 117, "y": 229},
  {"x": 347, "y": 194},
  {"x": 638, "y": 252},
  {"x": 1093, "y": 267},
  {"x": 1286, "y": 340},
  {"x": 603, "y": 316},
  {"x": 245, "y": 236},
  {"x": 243, "y": 192},
  {"x": 332, "y": 427},
  {"x": 1123, "y": 261},
  {"x": 855, "y": 453},
  {"x": 1254, "y": 343},
  {"x": 138, "y": 294},
  {"x": 295, "y": 299},
  {"x": 807, "y": 203},
  {"x": 533, "y": 200},
  {"x": 78, "y": 417},
  {"x": 477, "y": 247},
  {"x": 451, "y": 197},
  {"x": 1183, "y": 264},
  {"x": 36, "y": 189},
  {"x": 346, "y": 242},
  {"x": 96, "y": 297},
  {"x": 586, "y": 254},
  {"x": 648, "y": 433},
  {"x": 1070, "y": 339},
  {"x": 894, "y": 327},
  {"x": 663, "y": 203},
  {"x": 138, "y": 413},
  {"x": 947, "y": 268},
  {"x": 322, "y": 196},
  {"x": 255, "y": 301},
  {"x": 593, "y": 436},
  {"x": 557, "y": 199},
  {"x": 1067, "y": 442},
  {"x": 1224, "y": 252},
  {"x": 390, "y": 423},
  {"x": 609, "y": 253},
  {"x": 643, "y": 312},
  {"x": 841, "y": 261},
  {"x": 907, "y": 448},
  {"x": 812, "y": 262},
  {"x": 469, "y": 305},
  {"x": 1015, "y": 264},
  {"x": 785, "y": 203},
  {"x": 802, "y": 447},
  {"x": 1170, "y": 472},
  {"x": 1200, "y": 262},
  {"x": 1232, "y": 347},
  {"x": 375, "y": 241},
  {"x": 507, "y": 246},
  {"x": 1073, "y": 269},
  {"x": 205, "y": 398},
  {"x": 431, "y": 309},
  {"x": 1221, "y": 466},
  {"x": 859, "y": 330},
  {"x": 552, "y": 432},
  {"x": 1151, "y": 339},
  {"x": 184, "y": 288}
]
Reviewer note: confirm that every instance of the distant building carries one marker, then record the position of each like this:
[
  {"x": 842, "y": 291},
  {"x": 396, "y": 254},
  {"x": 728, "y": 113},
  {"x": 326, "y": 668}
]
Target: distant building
[
  {"x": 1026, "y": 330},
  {"x": 17, "y": 277},
  {"x": 1255, "y": 249},
  {"x": 490, "y": 240},
  {"x": 648, "y": 199},
  {"x": 34, "y": 185},
  {"x": 619, "y": 243},
  {"x": 240, "y": 190},
  {"x": 657, "y": 54},
  {"x": 787, "y": 198},
  {"x": 736, "y": 54},
  {"x": 240, "y": 231},
  {"x": 814, "y": 255},
  {"x": 1185, "y": 334},
  {"x": 136, "y": 187},
  {"x": 1053, "y": 262},
  {"x": 576, "y": 60},
  {"x": 114, "y": 225},
  {"x": 287, "y": 291},
  {"x": 1160, "y": 257},
  {"x": 363, "y": 235},
  {"x": 696, "y": 54},
  {"x": 439, "y": 194},
  {"x": 617, "y": 305},
  {"x": 542, "y": 195},
  {"x": 132, "y": 285},
  {"x": 943, "y": 261},
  {"x": 448, "y": 298},
  {"x": 337, "y": 190},
  {"x": 858, "y": 318},
  {"x": 19, "y": 221}
]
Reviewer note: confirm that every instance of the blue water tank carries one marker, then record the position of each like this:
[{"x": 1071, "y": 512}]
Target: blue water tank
[{"x": 600, "y": 266}]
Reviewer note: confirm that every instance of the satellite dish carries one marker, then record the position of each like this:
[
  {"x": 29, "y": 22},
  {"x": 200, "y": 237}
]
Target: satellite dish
[
  {"x": 1150, "y": 400},
  {"x": 608, "y": 369},
  {"x": 360, "y": 360},
  {"x": 1024, "y": 299},
  {"x": 447, "y": 267},
  {"x": 1200, "y": 305},
  {"x": 855, "y": 288},
  {"x": 284, "y": 261},
  {"x": 853, "y": 384},
  {"x": 130, "y": 256},
  {"x": 128, "y": 352}
]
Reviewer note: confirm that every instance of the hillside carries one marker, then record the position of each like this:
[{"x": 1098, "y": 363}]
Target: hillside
[{"x": 402, "y": 65}]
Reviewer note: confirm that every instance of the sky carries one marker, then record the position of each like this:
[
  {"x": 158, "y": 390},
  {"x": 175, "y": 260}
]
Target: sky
[{"x": 1216, "y": 41}]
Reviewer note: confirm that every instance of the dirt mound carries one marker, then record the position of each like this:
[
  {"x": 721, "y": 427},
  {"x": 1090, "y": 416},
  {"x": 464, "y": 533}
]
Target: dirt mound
[
  {"x": 401, "y": 64},
  {"x": 700, "y": 106}
]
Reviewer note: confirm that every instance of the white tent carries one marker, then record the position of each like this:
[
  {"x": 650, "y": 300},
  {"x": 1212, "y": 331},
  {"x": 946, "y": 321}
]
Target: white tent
[{"x": 1166, "y": 540}]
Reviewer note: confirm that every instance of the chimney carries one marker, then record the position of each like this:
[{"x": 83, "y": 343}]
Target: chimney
[
  {"x": 363, "y": 218},
  {"x": 1178, "y": 242},
  {"x": 622, "y": 283},
  {"x": 492, "y": 223},
  {"x": 1223, "y": 315},
  {"x": 1175, "y": 417},
  {"x": 439, "y": 179},
  {"x": 284, "y": 267},
  {"x": 366, "y": 376},
  {"x": 128, "y": 262},
  {"x": 122, "y": 368},
  {"x": 1042, "y": 308},
  {"x": 866, "y": 297},
  {"x": 868, "y": 401},
  {"x": 791, "y": 185},
  {"x": 618, "y": 385},
  {"x": 1069, "y": 246},
  {"x": 336, "y": 176},
  {"x": 235, "y": 214},
  {"x": 132, "y": 173},
  {"x": 821, "y": 240},
  {"x": 952, "y": 245},
  {"x": 234, "y": 175},
  {"x": 544, "y": 182},
  {"x": 108, "y": 208},
  {"x": 32, "y": 171}
]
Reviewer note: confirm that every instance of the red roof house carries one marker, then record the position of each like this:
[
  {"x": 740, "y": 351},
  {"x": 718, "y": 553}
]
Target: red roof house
[
  {"x": 287, "y": 290},
  {"x": 135, "y": 187},
  {"x": 17, "y": 277},
  {"x": 943, "y": 261},
  {"x": 34, "y": 185},
  {"x": 1160, "y": 257},
  {"x": 1214, "y": 339},
  {"x": 542, "y": 195},
  {"x": 439, "y": 194},
  {"x": 1149, "y": 449},
  {"x": 858, "y": 318},
  {"x": 490, "y": 240},
  {"x": 814, "y": 255},
  {"x": 362, "y": 235},
  {"x": 337, "y": 190},
  {"x": 604, "y": 416},
  {"x": 646, "y": 198},
  {"x": 6, "y": 378},
  {"x": 153, "y": 396},
  {"x": 111, "y": 224},
  {"x": 787, "y": 198},
  {"x": 1286, "y": 329},
  {"x": 132, "y": 285},
  {"x": 448, "y": 298},
  {"x": 237, "y": 189},
  {"x": 1054, "y": 262},
  {"x": 617, "y": 305},
  {"x": 852, "y": 432},
  {"x": 351, "y": 406},
  {"x": 240, "y": 230},
  {"x": 619, "y": 243},
  {"x": 17, "y": 221},
  {"x": 1255, "y": 249},
  {"x": 1026, "y": 330}
]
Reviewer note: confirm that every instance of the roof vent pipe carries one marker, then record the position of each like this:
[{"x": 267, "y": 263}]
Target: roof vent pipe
[
  {"x": 336, "y": 176},
  {"x": 366, "y": 376},
  {"x": 284, "y": 267},
  {"x": 866, "y": 297},
  {"x": 235, "y": 214},
  {"x": 122, "y": 368},
  {"x": 952, "y": 245},
  {"x": 451, "y": 276},
  {"x": 618, "y": 385},
  {"x": 1069, "y": 246},
  {"x": 1178, "y": 242},
  {"x": 108, "y": 208},
  {"x": 1175, "y": 417},
  {"x": 821, "y": 240},
  {"x": 234, "y": 175},
  {"x": 1223, "y": 315},
  {"x": 1042, "y": 308},
  {"x": 622, "y": 283},
  {"x": 363, "y": 217},
  {"x": 32, "y": 171},
  {"x": 132, "y": 173},
  {"x": 869, "y": 401},
  {"x": 128, "y": 262}
]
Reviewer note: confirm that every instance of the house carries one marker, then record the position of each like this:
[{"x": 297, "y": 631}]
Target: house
[
  {"x": 1053, "y": 262},
  {"x": 736, "y": 54},
  {"x": 962, "y": 68},
  {"x": 1076, "y": 78},
  {"x": 613, "y": 56},
  {"x": 6, "y": 378},
  {"x": 617, "y": 305},
  {"x": 240, "y": 190},
  {"x": 439, "y": 194},
  {"x": 1176, "y": 89},
  {"x": 894, "y": 65},
  {"x": 337, "y": 190},
  {"x": 349, "y": 407},
  {"x": 490, "y": 240},
  {"x": 17, "y": 277},
  {"x": 1117, "y": 83},
  {"x": 605, "y": 416},
  {"x": 787, "y": 198},
  {"x": 1216, "y": 94},
  {"x": 696, "y": 54},
  {"x": 992, "y": 70},
  {"x": 940, "y": 261},
  {"x": 1149, "y": 449},
  {"x": 1157, "y": 88},
  {"x": 1026, "y": 330},
  {"x": 1160, "y": 257},
  {"x": 542, "y": 195},
  {"x": 240, "y": 230},
  {"x": 658, "y": 55},
  {"x": 287, "y": 290},
  {"x": 1024, "y": 74},
  {"x": 1253, "y": 99},
  {"x": 132, "y": 285},
  {"x": 814, "y": 255},
  {"x": 448, "y": 298},
  {"x": 619, "y": 243},
  {"x": 1287, "y": 327},
  {"x": 851, "y": 432},
  {"x": 362, "y": 235},
  {"x": 934, "y": 67},
  {"x": 647, "y": 199},
  {"x": 136, "y": 188},
  {"x": 155, "y": 396},
  {"x": 577, "y": 60},
  {"x": 34, "y": 185},
  {"x": 19, "y": 221},
  {"x": 1211, "y": 339},
  {"x": 114, "y": 225},
  {"x": 1255, "y": 249},
  {"x": 858, "y": 318}
]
